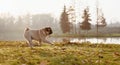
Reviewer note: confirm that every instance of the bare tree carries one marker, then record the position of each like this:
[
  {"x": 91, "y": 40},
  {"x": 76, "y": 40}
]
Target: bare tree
[{"x": 72, "y": 18}]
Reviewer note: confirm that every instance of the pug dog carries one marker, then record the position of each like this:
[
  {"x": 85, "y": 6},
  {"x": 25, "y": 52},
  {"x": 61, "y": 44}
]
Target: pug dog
[{"x": 38, "y": 35}]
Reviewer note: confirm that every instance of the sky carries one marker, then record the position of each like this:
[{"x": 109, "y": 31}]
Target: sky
[{"x": 110, "y": 8}]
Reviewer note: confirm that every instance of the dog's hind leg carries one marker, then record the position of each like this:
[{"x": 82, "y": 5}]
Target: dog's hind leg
[
  {"x": 39, "y": 42},
  {"x": 30, "y": 43}
]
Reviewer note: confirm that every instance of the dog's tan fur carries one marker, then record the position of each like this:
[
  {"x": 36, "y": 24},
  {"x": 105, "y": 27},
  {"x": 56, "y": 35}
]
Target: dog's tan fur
[{"x": 38, "y": 35}]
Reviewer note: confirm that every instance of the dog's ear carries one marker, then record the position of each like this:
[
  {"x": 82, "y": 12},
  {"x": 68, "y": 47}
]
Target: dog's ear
[{"x": 27, "y": 29}]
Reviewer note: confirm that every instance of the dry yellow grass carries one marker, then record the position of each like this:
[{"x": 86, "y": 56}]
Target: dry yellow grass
[{"x": 61, "y": 53}]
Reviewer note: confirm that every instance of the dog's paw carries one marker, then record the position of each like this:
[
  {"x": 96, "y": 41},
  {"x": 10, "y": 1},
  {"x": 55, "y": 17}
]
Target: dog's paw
[{"x": 52, "y": 44}]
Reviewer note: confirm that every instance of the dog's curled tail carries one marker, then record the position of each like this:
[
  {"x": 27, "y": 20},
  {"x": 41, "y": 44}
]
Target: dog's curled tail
[{"x": 27, "y": 29}]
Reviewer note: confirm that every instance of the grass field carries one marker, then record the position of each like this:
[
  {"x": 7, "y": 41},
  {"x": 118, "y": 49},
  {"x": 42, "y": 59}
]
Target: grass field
[{"x": 61, "y": 53}]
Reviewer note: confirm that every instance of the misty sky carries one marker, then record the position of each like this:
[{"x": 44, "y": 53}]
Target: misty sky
[{"x": 110, "y": 8}]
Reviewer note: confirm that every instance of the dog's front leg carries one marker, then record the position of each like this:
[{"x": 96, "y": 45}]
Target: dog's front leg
[{"x": 46, "y": 41}]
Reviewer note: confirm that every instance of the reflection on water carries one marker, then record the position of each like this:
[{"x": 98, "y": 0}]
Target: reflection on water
[
  {"x": 109, "y": 40},
  {"x": 113, "y": 40}
]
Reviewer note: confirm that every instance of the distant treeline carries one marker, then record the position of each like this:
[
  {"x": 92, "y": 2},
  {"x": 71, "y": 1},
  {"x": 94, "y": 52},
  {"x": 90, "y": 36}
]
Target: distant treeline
[
  {"x": 14, "y": 26},
  {"x": 9, "y": 23}
]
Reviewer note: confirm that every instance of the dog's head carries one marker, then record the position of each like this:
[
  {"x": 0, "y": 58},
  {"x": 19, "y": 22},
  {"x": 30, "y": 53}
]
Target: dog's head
[{"x": 48, "y": 30}]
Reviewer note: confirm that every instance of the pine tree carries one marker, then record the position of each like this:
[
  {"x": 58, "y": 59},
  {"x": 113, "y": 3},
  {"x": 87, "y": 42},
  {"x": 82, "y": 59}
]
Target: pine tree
[
  {"x": 85, "y": 25},
  {"x": 64, "y": 21}
]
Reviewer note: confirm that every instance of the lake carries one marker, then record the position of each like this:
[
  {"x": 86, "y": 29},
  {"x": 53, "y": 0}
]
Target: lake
[{"x": 106, "y": 40}]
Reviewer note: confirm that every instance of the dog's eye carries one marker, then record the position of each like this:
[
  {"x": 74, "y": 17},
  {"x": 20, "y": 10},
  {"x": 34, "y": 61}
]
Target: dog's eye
[{"x": 48, "y": 29}]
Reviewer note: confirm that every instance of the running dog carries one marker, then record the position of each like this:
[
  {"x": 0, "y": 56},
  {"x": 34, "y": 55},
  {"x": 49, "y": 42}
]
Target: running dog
[{"x": 38, "y": 35}]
